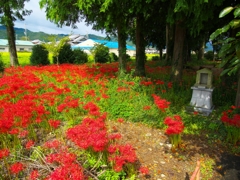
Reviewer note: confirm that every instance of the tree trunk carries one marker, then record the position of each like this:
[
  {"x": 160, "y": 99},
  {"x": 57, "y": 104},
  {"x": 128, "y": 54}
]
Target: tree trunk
[
  {"x": 178, "y": 52},
  {"x": 201, "y": 50},
  {"x": 11, "y": 37},
  {"x": 160, "y": 54},
  {"x": 237, "y": 100},
  {"x": 140, "y": 47},
  {"x": 122, "y": 48},
  {"x": 169, "y": 43}
]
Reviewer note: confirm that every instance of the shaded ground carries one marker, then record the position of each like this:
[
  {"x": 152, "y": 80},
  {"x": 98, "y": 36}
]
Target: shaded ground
[{"x": 154, "y": 151}]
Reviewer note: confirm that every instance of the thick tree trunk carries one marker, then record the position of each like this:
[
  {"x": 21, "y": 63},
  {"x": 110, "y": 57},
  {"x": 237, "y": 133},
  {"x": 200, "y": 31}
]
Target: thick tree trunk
[
  {"x": 140, "y": 48},
  {"x": 237, "y": 100},
  {"x": 178, "y": 53},
  {"x": 122, "y": 49},
  {"x": 169, "y": 43},
  {"x": 11, "y": 37}
]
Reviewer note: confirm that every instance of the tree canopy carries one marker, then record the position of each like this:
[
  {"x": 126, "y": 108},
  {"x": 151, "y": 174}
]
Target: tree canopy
[{"x": 10, "y": 11}]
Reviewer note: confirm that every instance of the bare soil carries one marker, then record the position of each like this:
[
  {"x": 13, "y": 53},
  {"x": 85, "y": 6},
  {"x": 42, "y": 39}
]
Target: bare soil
[{"x": 154, "y": 151}]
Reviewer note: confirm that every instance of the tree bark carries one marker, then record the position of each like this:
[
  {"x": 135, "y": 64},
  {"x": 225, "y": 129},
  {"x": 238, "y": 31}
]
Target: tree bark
[
  {"x": 178, "y": 52},
  {"x": 122, "y": 48},
  {"x": 140, "y": 47},
  {"x": 11, "y": 37},
  {"x": 169, "y": 43},
  {"x": 201, "y": 50}
]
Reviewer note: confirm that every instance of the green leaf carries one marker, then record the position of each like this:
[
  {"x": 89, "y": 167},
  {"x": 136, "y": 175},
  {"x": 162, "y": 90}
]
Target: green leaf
[
  {"x": 237, "y": 13},
  {"x": 225, "y": 71},
  {"x": 225, "y": 11},
  {"x": 238, "y": 53},
  {"x": 235, "y": 23},
  {"x": 215, "y": 34},
  {"x": 225, "y": 28}
]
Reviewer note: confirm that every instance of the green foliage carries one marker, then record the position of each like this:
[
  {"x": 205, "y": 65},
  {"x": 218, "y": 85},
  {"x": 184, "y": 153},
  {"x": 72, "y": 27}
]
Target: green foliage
[
  {"x": 155, "y": 58},
  {"x": 65, "y": 55},
  {"x": 80, "y": 57},
  {"x": 2, "y": 66},
  {"x": 55, "y": 46},
  {"x": 230, "y": 50},
  {"x": 39, "y": 56},
  {"x": 113, "y": 57},
  {"x": 209, "y": 55},
  {"x": 100, "y": 53}
]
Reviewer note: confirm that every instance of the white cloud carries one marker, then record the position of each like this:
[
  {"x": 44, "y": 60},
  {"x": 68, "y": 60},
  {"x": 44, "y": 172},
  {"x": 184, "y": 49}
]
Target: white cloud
[{"x": 37, "y": 22}]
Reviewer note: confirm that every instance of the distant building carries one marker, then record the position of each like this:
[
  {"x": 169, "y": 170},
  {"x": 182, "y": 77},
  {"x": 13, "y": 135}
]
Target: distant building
[
  {"x": 112, "y": 45},
  {"x": 20, "y": 45},
  {"x": 76, "y": 39}
]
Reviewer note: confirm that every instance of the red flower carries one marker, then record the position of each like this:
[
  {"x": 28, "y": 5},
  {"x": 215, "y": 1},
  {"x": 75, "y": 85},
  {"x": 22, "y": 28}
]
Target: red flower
[
  {"x": 34, "y": 175},
  {"x": 175, "y": 125},
  {"x": 120, "y": 120},
  {"x": 54, "y": 123},
  {"x": 147, "y": 107},
  {"x": 144, "y": 170},
  {"x": 29, "y": 144},
  {"x": 16, "y": 168},
  {"x": 162, "y": 104},
  {"x": 4, "y": 153}
]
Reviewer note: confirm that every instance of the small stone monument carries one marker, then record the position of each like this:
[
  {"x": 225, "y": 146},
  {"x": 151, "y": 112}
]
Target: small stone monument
[{"x": 202, "y": 92}]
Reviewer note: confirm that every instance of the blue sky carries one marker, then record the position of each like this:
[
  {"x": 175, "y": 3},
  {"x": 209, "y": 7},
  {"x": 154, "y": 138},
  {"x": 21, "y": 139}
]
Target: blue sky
[{"x": 37, "y": 22}]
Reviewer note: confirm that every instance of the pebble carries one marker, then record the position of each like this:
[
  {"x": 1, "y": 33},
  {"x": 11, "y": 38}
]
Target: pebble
[
  {"x": 162, "y": 162},
  {"x": 161, "y": 144},
  {"x": 148, "y": 134},
  {"x": 163, "y": 176},
  {"x": 150, "y": 149}
]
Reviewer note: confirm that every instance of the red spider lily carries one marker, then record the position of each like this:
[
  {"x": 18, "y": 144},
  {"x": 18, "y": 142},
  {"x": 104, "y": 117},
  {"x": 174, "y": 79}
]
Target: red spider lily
[
  {"x": 67, "y": 172},
  {"x": 119, "y": 89},
  {"x": 29, "y": 144},
  {"x": 34, "y": 175},
  {"x": 91, "y": 133},
  {"x": 120, "y": 120},
  {"x": 121, "y": 155},
  {"x": 175, "y": 125},
  {"x": 55, "y": 144},
  {"x": 115, "y": 136},
  {"x": 147, "y": 107},
  {"x": 231, "y": 117},
  {"x": 89, "y": 93},
  {"x": 61, "y": 157},
  {"x": 4, "y": 153},
  {"x": 162, "y": 104},
  {"x": 23, "y": 134},
  {"x": 146, "y": 83},
  {"x": 54, "y": 123},
  {"x": 169, "y": 85},
  {"x": 144, "y": 170},
  {"x": 92, "y": 108},
  {"x": 16, "y": 168}
]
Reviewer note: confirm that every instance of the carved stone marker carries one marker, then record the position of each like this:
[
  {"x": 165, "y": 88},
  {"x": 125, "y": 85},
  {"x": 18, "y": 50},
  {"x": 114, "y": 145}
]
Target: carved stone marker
[{"x": 201, "y": 100}]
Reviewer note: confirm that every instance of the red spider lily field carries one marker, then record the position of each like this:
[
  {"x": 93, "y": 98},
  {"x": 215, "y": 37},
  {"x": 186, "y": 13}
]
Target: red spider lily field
[{"x": 85, "y": 122}]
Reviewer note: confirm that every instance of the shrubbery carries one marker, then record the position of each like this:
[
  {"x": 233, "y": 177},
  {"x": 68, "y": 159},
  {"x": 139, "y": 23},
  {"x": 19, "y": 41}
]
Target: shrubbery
[
  {"x": 39, "y": 56},
  {"x": 209, "y": 55},
  {"x": 80, "y": 57},
  {"x": 66, "y": 55},
  {"x": 100, "y": 53},
  {"x": 113, "y": 57},
  {"x": 2, "y": 66},
  {"x": 155, "y": 58}
]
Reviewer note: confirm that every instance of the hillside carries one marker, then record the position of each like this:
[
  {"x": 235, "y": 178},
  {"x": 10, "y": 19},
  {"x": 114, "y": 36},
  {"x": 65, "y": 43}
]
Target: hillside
[{"x": 36, "y": 35}]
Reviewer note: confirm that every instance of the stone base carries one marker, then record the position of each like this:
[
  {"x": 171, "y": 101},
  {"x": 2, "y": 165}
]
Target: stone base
[{"x": 202, "y": 111}]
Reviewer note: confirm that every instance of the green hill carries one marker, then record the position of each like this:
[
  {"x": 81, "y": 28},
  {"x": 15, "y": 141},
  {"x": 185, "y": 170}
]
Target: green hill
[{"x": 36, "y": 35}]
